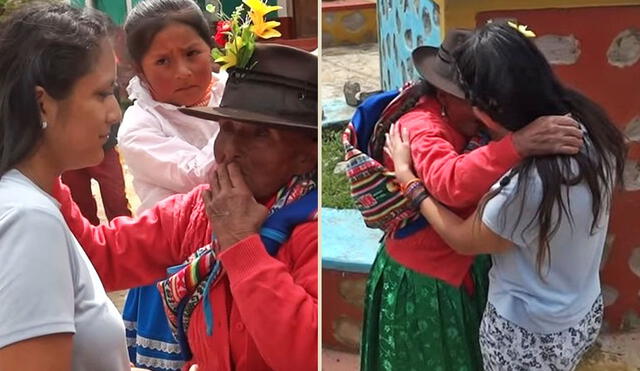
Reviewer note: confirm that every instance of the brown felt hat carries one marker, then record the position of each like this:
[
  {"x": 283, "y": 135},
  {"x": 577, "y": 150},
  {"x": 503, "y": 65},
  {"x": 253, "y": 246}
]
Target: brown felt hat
[
  {"x": 436, "y": 65},
  {"x": 279, "y": 89}
]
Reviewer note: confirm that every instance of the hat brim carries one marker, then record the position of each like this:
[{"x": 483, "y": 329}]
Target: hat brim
[
  {"x": 424, "y": 59},
  {"x": 218, "y": 113}
]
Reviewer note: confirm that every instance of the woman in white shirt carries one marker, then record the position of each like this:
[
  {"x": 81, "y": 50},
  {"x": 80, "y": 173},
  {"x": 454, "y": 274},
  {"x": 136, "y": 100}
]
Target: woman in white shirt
[
  {"x": 55, "y": 312},
  {"x": 167, "y": 152}
]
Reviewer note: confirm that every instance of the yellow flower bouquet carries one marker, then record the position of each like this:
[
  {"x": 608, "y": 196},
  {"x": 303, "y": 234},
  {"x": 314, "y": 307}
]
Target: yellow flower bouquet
[{"x": 236, "y": 34}]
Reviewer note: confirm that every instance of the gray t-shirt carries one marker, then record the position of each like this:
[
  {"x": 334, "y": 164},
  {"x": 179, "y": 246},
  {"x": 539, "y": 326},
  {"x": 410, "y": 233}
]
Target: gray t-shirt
[
  {"x": 571, "y": 279},
  {"x": 47, "y": 283}
]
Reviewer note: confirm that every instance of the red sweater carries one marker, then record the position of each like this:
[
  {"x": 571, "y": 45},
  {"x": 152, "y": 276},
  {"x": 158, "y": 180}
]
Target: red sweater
[
  {"x": 265, "y": 309},
  {"x": 457, "y": 180}
]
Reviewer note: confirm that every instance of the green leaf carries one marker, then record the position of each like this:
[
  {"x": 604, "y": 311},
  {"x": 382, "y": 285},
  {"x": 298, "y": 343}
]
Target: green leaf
[
  {"x": 216, "y": 53},
  {"x": 246, "y": 35}
]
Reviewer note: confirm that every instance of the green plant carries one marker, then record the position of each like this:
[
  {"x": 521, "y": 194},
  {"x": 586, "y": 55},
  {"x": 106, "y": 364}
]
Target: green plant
[{"x": 335, "y": 187}]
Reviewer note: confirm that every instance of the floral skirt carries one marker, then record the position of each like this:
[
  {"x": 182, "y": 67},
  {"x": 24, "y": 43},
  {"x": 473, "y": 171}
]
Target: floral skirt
[
  {"x": 416, "y": 322},
  {"x": 509, "y": 347}
]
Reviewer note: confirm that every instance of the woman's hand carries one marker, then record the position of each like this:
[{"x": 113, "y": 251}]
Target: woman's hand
[
  {"x": 398, "y": 148},
  {"x": 232, "y": 210}
]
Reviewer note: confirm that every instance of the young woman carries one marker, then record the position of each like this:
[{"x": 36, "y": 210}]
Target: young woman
[
  {"x": 52, "y": 119},
  {"x": 547, "y": 214},
  {"x": 166, "y": 151}
]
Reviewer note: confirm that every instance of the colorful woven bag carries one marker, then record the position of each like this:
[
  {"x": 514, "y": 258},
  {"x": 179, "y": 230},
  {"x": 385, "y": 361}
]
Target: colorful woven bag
[{"x": 374, "y": 188}]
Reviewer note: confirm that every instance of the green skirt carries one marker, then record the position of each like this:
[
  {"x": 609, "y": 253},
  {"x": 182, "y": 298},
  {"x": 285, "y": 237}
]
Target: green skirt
[{"x": 416, "y": 322}]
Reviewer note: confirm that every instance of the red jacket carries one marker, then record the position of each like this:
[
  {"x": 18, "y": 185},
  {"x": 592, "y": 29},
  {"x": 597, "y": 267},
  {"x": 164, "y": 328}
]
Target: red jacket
[
  {"x": 265, "y": 309},
  {"x": 458, "y": 181}
]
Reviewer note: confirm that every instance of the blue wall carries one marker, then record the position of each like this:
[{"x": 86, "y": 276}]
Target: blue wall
[{"x": 403, "y": 26}]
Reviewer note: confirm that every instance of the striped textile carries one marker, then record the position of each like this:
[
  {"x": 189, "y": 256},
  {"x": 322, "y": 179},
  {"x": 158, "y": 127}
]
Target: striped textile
[{"x": 374, "y": 188}]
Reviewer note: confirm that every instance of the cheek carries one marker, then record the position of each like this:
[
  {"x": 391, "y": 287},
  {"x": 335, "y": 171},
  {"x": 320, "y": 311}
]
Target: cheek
[
  {"x": 161, "y": 80},
  {"x": 270, "y": 164},
  {"x": 202, "y": 65}
]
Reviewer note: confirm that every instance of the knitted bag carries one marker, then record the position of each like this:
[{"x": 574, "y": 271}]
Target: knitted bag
[{"x": 373, "y": 187}]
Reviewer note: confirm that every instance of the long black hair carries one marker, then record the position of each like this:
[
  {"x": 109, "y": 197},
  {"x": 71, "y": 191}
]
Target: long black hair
[
  {"x": 51, "y": 46},
  {"x": 505, "y": 75},
  {"x": 149, "y": 17}
]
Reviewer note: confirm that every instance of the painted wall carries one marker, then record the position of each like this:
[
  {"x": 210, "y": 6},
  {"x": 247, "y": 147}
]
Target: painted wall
[
  {"x": 462, "y": 13},
  {"x": 351, "y": 24},
  {"x": 403, "y": 26},
  {"x": 342, "y": 317}
]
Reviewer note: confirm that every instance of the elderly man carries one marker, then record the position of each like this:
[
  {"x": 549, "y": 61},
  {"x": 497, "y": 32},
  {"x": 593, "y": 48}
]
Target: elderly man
[{"x": 247, "y": 297}]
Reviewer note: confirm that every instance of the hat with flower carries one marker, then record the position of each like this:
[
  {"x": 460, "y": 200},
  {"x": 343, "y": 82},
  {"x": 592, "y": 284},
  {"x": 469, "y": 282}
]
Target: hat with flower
[{"x": 268, "y": 84}]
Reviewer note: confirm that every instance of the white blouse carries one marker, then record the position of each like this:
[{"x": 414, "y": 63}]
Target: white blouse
[{"x": 167, "y": 152}]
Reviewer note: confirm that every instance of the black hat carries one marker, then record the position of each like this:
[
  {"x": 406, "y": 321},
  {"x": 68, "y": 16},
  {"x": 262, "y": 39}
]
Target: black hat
[
  {"x": 279, "y": 88},
  {"x": 436, "y": 65}
]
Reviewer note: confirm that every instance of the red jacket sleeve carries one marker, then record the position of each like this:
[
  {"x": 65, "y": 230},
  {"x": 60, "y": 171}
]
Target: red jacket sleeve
[
  {"x": 130, "y": 252},
  {"x": 278, "y": 304},
  {"x": 457, "y": 180}
]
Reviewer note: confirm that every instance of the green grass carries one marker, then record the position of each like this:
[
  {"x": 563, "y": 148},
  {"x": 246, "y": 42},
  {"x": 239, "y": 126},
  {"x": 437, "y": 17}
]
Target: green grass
[{"x": 335, "y": 187}]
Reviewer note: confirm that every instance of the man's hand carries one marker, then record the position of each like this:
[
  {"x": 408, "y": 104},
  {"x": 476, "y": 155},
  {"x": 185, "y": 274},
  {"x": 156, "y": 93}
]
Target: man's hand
[
  {"x": 232, "y": 210},
  {"x": 549, "y": 135}
]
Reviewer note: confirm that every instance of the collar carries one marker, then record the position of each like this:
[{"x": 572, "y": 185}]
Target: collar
[{"x": 139, "y": 92}]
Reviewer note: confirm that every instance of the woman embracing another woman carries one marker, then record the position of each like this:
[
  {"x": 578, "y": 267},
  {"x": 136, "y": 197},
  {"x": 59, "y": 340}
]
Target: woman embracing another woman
[{"x": 545, "y": 222}]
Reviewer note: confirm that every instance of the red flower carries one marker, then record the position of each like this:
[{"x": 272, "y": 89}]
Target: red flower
[{"x": 220, "y": 37}]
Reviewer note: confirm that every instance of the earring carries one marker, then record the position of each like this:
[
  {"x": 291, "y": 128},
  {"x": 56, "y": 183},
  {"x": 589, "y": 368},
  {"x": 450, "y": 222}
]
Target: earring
[
  {"x": 443, "y": 112},
  {"x": 44, "y": 125}
]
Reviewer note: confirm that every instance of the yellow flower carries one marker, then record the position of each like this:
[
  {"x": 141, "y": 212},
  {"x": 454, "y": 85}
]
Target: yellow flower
[
  {"x": 522, "y": 29},
  {"x": 231, "y": 49},
  {"x": 265, "y": 30},
  {"x": 261, "y": 9},
  {"x": 260, "y": 28}
]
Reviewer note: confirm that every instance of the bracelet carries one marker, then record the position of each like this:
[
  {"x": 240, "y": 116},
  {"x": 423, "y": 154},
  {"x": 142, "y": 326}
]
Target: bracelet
[
  {"x": 413, "y": 187},
  {"x": 404, "y": 187},
  {"x": 416, "y": 193},
  {"x": 417, "y": 199}
]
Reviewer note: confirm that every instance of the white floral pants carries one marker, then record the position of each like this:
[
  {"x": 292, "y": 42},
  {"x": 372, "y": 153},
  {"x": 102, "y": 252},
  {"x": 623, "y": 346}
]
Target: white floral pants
[{"x": 506, "y": 346}]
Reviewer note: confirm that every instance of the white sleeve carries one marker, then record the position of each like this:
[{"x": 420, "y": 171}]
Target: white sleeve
[
  {"x": 168, "y": 162},
  {"x": 511, "y": 214},
  {"x": 36, "y": 279}
]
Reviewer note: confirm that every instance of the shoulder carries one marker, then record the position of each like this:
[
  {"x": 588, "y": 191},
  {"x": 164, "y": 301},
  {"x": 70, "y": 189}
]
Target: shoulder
[
  {"x": 307, "y": 231},
  {"x": 19, "y": 196},
  {"x": 136, "y": 116},
  {"x": 425, "y": 116},
  {"x": 31, "y": 218},
  {"x": 303, "y": 243},
  {"x": 515, "y": 191},
  {"x": 33, "y": 235}
]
